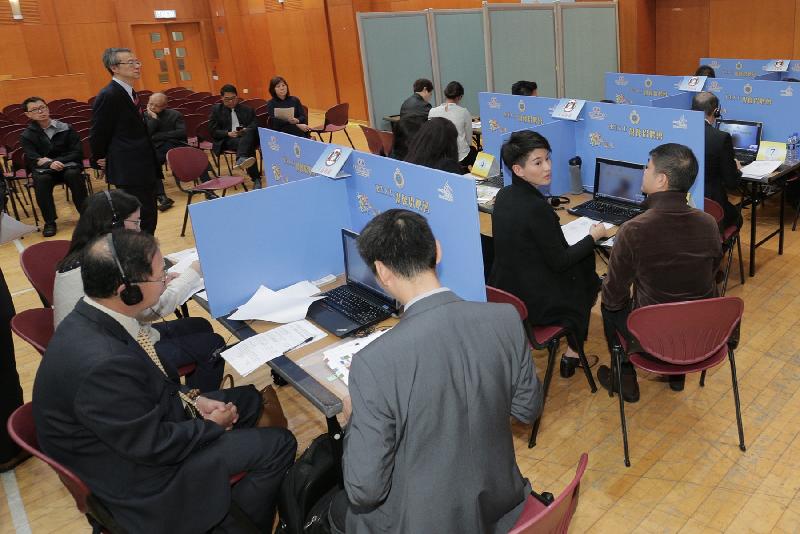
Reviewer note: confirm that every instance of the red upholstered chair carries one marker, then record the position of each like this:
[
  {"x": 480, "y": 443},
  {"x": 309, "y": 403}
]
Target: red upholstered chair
[
  {"x": 188, "y": 165},
  {"x": 374, "y": 141},
  {"x": 729, "y": 237},
  {"x": 18, "y": 176},
  {"x": 536, "y": 518},
  {"x": 387, "y": 138},
  {"x": 680, "y": 338},
  {"x": 192, "y": 121},
  {"x": 541, "y": 338},
  {"x": 254, "y": 103},
  {"x": 34, "y": 326},
  {"x": 336, "y": 120},
  {"x": 39, "y": 261}
]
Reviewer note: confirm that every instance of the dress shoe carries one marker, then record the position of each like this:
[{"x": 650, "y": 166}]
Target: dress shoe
[
  {"x": 676, "y": 382},
  {"x": 20, "y": 457},
  {"x": 257, "y": 183},
  {"x": 164, "y": 202},
  {"x": 568, "y": 364},
  {"x": 630, "y": 387},
  {"x": 49, "y": 229},
  {"x": 243, "y": 163}
]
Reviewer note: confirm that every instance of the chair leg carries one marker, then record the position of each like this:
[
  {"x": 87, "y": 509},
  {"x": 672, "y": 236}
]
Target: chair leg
[
  {"x": 728, "y": 264},
  {"x": 584, "y": 363},
  {"x": 741, "y": 262},
  {"x": 348, "y": 138},
  {"x": 703, "y": 379},
  {"x": 736, "y": 400},
  {"x": 613, "y": 372},
  {"x": 552, "y": 347},
  {"x": 796, "y": 216},
  {"x": 616, "y": 356},
  {"x": 330, "y": 138},
  {"x": 186, "y": 213}
]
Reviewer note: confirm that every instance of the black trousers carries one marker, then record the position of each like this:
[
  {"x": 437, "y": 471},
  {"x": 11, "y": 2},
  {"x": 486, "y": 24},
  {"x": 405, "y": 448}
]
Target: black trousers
[
  {"x": 43, "y": 184},
  {"x": 147, "y": 197},
  {"x": 287, "y": 127},
  {"x": 245, "y": 147},
  {"x": 192, "y": 340},
  {"x": 10, "y": 389}
]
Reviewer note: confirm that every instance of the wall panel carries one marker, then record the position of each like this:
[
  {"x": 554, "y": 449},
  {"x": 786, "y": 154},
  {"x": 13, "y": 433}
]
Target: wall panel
[
  {"x": 347, "y": 57},
  {"x": 682, "y": 35},
  {"x": 750, "y": 30}
]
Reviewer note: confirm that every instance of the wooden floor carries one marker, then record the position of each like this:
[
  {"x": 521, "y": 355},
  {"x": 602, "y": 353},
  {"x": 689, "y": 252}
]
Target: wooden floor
[{"x": 687, "y": 473}]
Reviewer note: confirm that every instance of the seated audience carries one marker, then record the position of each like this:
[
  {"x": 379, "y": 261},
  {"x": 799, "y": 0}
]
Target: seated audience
[
  {"x": 53, "y": 155},
  {"x": 705, "y": 70},
  {"x": 404, "y": 132},
  {"x": 721, "y": 167},
  {"x": 436, "y": 146},
  {"x": 532, "y": 260},
  {"x": 670, "y": 253},
  {"x": 234, "y": 127},
  {"x": 155, "y": 453},
  {"x": 418, "y": 103},
  {"x": 429, "y": 447},
  {"x": 178, "y": 342},
  {"x": 281, "y": 99},
  {"x": 525, "y": 88},
  {"x": 167, "y": 130},
  {"x": 461, "y": 119}
]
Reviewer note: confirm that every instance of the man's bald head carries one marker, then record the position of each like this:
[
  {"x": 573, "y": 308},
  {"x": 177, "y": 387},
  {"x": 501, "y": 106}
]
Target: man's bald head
[
  {"x": 706, "y": 102},
  {"x": 159, "y": 99}
]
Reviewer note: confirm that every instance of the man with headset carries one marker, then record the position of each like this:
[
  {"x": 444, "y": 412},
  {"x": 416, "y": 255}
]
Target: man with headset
[{"x": 155, "y": 453}]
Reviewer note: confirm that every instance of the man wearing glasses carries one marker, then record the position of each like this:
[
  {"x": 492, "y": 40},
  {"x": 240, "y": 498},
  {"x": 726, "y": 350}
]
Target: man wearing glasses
[
  {"x": 233, "y": 127},
  {"x": 119, "y": 139},
  {"x": 53, "y": 155}
]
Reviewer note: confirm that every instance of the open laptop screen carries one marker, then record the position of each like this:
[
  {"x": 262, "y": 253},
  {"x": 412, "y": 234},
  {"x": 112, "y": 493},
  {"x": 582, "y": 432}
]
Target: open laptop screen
[
  {"x": 618, "y": 180},
  {"x": 746, "y": 135},
  {"x": 356, "y": 270}
]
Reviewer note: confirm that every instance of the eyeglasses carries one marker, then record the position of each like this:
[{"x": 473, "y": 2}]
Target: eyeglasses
[
  {"x": 40, "y": 109},
  {"x": 130, "y": 63},
  {"x": 162, "y": 280},
  {"x": 137, "y": 222},
  {"x": 229, "y": 98}
]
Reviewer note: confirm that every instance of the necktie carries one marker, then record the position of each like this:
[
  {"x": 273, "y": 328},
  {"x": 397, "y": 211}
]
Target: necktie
[
  {"x": 234, "y": 120},
  {"x": 143, "y": 338},
  {"x": 135, "y": 97}
]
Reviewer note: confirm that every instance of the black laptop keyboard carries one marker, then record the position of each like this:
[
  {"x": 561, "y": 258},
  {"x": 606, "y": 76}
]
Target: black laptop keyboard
[
  {"x": 354, "y": 307},
  {"x": 745, "y": 158},
  {"x": 611, "y": 209}
]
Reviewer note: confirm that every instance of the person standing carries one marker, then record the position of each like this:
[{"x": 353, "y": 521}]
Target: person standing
[{"x": 120, "y": 143}]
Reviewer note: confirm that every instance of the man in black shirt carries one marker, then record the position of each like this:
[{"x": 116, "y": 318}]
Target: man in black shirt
[
  {"x": 234, "y": 127},
  {"x": 420, "y": 102}
]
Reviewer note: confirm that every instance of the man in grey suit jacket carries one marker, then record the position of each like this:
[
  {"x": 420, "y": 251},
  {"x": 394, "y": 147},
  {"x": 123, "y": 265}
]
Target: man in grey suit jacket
[{"x": 429, "y": 445}]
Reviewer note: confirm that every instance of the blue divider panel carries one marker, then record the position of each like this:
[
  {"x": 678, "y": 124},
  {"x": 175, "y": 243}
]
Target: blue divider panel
[
  {"x": 679, "y": 101},
  {"x": 747, "y": 68},
  {"x": 287, "y": 157},
  {"x": 641, "y": 89}
]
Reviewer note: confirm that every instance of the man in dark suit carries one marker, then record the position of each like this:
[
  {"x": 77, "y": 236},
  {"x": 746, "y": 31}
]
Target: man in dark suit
[
  {"x": 167, "y": 130},
  {"x": 155, "y": 453},
  {"x": 234, "y": 127},
  {"x": 119, "y": 140},
  {"x": 449, "y": 373},
  {"x": 722, "y": 170},
  {"x": 53, "y": 155},
  {"x": 419, "y": 103}
]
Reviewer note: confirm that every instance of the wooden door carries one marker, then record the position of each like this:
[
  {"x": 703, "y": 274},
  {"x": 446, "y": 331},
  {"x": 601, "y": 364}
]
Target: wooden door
[{"x": 172, "y": 55}]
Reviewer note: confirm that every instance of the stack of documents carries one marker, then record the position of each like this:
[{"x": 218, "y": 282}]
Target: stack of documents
[
  {"x": 760, "y": 169},
  {"x": 339, "y": 357},
  {"x": 182, "y": 261},
  {"x": 579, "y": 228},
  {"x": 284, "y": 306},
  {"x": 253, "y": 352},
  {"x": 486, "y": 193}
]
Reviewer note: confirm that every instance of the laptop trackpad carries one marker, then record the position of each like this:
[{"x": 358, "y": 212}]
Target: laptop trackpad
[{"x": 331, "y": 320}]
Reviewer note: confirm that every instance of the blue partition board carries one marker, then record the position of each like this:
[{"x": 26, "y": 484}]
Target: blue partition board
[
  {"x": 275, "y": 237},
  {"x": 641, "y": 89},
  {"x": 679, "y": 101},
  {"x": 770, "y": 76},
  {"x": 746, "y": 68},
  {"x": 459, "y": 40},
  {"x": 287, "y": 157},
  {"x": 447, "y": 200},
  {"x": 628, "y": 133},
  {"x": 775, "y": 104},
  {"x": 561, "y": 136}
]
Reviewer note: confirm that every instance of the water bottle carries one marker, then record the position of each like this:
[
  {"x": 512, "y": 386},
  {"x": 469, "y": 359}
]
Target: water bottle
[{"x": 790, "y": 149}]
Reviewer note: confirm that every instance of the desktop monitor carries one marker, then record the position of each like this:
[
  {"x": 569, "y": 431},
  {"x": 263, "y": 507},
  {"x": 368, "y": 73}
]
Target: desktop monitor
[
  {"x": 746, "y": 135},
  {"x": 618, "y": 180}
]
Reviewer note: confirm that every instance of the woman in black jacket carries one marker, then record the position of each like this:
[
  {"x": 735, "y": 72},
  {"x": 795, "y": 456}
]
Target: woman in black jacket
[
  {"x": 532, "y": 259},
  {"x": 281, "y": 99}
]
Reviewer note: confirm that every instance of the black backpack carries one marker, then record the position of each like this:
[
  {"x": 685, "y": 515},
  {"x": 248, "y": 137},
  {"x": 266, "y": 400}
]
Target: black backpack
[{"x": 308, "y": 488}]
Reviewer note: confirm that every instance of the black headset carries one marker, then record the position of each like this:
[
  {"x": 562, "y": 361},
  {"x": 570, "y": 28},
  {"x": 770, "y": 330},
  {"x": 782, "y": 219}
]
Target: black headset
[
  {"x": 131, "y": 295},
  {"x": 115, "y": 220},
  {"x": 557, "y": 200}
]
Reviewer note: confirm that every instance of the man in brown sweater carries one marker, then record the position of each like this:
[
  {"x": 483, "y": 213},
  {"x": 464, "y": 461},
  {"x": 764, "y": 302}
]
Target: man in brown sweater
[{"x": 670, "y": 253}]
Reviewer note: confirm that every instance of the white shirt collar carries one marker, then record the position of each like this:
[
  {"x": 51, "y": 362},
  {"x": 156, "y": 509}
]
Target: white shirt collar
[
  {"x": 130, "y": 324},
  {"x": 128, "y": 88},
  {"x": 422, "y": 296}
]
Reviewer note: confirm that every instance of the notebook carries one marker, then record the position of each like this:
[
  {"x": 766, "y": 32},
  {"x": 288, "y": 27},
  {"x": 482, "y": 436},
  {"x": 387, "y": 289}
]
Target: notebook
[
  {"x": 618, "y": 193},
  {"x": 746, "y": 137},
  {"x": 359, "y": 303}
]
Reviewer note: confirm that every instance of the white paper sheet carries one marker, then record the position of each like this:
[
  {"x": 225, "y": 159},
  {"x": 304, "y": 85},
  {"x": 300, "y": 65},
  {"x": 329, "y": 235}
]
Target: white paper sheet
[
  {"x": 339, "y": 357},
  {"x": 576, "y": 230},
  {"x": 284, "y": 306},
  {"x": 199, "y": 286},
  {"x": 760, "y": 168},
  {"x": 253, "y": 352},
  {"x": 11, "y": 229},
  {"x": 176, "y": 257}
]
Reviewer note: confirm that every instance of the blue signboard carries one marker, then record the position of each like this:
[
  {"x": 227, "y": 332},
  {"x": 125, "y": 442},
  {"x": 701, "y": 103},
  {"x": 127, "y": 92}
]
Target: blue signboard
[
  {"x": 748, "y": 68},
  {"x": 641, "y": 89},
  {"x": 287, "y": 157}
]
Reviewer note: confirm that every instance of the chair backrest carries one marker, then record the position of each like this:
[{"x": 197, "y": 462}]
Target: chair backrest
[
  {"x": 262, "y": 119},
  {"x": 338, "y": 115},
  {"x": 553, "y": 519},
  {"x": 11, "y": 107},
  {"x": 387, "y": 138},
  {"x": 17, "y": 157},
  {"x": 212, "y": 99},
  {"x": 187, "y": 163},
  {"x": 199, "y": 95},
  {"x": 35, "y": 326},
  {"x": 504, "y": 297},
  {"x": 713, "y": 208},
  {"x": 374, "y": 141},
  {"x": 684, "y": 333},
  {"x": 202, "y": 131},
  {"x": 192, "y": 121},
  {"x": 254, "y": 103},
  {"x": 11, "y": 138},
  {"x": 204, "y": 110},
  {"x": 39, "y": 261}
]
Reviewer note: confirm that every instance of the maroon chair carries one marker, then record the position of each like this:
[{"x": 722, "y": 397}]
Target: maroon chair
[
  {"x": 38, "y": 262},
  {"x": 34, "y": 326},
  {"x": 188, "y": 165},
  {"x": 729, "y": 237},
  {"x": 18, "y": 175},
  {"x": 199, "y": 95},
  {"x": 204, "y": 110},
  {"x": 541, "y": 338},
  {"x": 212, "y": 99},
  {"x": 254, "y": 103},
  {"x": 91, "y": 100},
  {"x": 11, "y": 107},
  {"x": 680, "y": 338},
  {"x": 260, "y": 110},
  {"x": 336, "y": 120},
  {"x": 374, "y": 141},
  {"x": 537, "y": 518},
  {"x": 192, "y": 121},
  {"x": 388, "y": 141}
]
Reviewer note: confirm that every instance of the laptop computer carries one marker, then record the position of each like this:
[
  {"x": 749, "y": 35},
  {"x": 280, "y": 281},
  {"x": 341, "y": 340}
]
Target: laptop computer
[
  {"x": 746, "y": 137},
  {"x": 359, "y": 303},
  {"x": 618, "y": 193}
]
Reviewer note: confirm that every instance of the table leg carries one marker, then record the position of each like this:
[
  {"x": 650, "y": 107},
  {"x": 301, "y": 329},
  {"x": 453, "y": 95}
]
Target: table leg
[
  {"x": 753, "y": 219},
  {"x": 336, "y": 434},
  {"x": 780, "y": 224}
]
